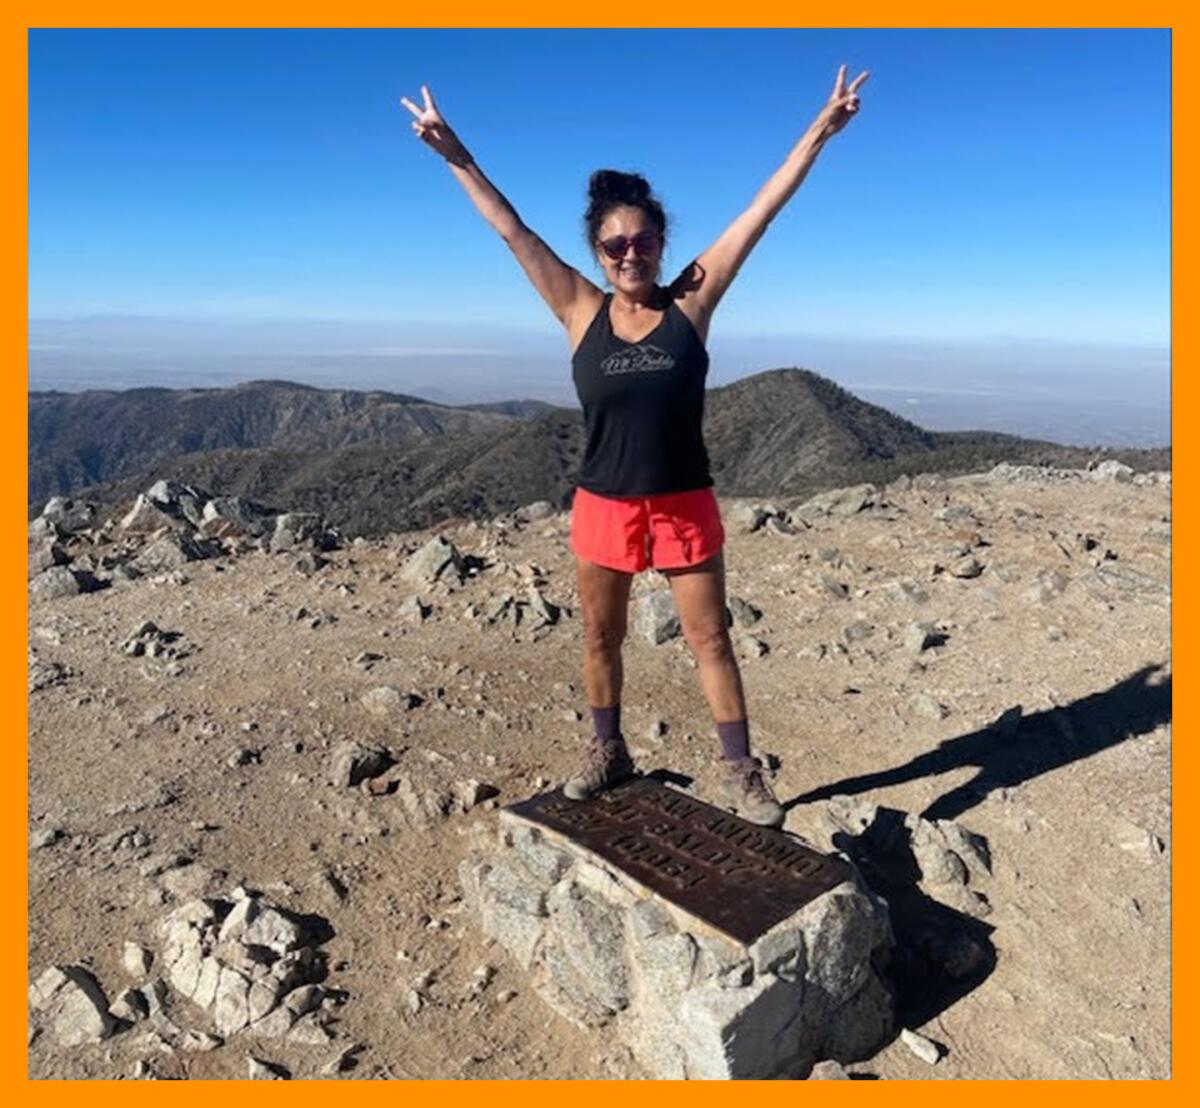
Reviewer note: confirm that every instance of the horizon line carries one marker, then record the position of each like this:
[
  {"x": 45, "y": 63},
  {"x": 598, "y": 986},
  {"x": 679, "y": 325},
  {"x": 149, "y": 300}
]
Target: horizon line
[{"x": 991, "y": 338}]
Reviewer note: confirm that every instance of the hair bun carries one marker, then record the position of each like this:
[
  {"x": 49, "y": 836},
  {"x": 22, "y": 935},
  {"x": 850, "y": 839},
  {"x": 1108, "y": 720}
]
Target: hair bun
[{"x": 613, "y": 186}]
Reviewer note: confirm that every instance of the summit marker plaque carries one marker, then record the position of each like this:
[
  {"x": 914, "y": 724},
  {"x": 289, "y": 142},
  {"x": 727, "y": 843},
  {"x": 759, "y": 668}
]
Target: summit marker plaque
[{"x": 735, "y": 875}]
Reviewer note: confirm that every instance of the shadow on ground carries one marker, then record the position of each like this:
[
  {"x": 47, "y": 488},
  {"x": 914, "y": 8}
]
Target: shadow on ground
[
  {"x": 1007, "y": 755},
  {"x": 942, "y": 954}
]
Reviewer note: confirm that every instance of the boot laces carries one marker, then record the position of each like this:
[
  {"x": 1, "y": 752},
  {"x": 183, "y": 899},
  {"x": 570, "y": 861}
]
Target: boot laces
[
  {"x": 750, "y": 775},
  {"x": 602, "y": 754}
]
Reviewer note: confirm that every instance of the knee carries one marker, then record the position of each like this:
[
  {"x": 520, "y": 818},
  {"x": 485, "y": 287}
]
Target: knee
[
  {"x": 603, "y": 638},
  {"x": 711, "y": 644}
]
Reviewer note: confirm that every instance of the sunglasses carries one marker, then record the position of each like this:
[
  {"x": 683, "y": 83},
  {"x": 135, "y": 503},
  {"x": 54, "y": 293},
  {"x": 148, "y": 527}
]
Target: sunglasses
[{"x": 643, "y": 244}]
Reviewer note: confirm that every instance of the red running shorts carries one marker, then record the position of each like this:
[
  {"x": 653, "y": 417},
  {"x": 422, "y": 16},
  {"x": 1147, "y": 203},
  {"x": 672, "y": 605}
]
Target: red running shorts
[{"x": 667, "y": 531}]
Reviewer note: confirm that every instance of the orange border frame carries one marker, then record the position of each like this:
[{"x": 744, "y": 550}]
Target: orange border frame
[{"x": 699, "y": 13}]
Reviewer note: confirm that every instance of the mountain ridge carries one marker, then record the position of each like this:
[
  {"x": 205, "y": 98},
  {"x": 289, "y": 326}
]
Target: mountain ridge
[
  {"x": 77, "y": 439},
  {"x": 373, "y": 462}
]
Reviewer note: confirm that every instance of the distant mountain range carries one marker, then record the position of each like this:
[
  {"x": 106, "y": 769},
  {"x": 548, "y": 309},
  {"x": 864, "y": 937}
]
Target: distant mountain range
[
  {"x": 84, "y": 438},
  {"x": 374, "y": 462}
]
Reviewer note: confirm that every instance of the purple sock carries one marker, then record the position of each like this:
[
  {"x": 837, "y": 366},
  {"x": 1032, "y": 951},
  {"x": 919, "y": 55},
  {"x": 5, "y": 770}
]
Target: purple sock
[
  {"x": 608, "y": 723},
  {"x": 735, "y": 739}
]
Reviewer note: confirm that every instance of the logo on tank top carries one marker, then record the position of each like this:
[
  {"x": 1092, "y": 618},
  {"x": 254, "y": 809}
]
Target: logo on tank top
[{"x": 637, "y": 359}]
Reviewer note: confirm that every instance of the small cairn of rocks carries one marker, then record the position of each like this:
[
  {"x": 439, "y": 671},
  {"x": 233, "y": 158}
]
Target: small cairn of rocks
[{"x": 250, "y": 964}]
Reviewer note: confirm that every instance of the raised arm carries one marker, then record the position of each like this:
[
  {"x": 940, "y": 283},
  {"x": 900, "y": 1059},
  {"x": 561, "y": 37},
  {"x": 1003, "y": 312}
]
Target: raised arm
[
  {"x": 712, "y": 272},
  {"x": 560, "y": 285}
]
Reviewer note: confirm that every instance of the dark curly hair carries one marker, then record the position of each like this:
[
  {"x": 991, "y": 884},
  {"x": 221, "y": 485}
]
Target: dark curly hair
[{"x": 609, "y": 188}]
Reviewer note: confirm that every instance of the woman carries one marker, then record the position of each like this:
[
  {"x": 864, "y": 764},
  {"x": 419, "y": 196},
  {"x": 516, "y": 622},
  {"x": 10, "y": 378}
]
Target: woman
[{"x": 645, "y": 493}]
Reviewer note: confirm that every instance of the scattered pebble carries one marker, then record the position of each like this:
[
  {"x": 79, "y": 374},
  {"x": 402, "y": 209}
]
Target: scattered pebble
[
  {"x": 925, "y": 1049},
  {"x": 258, "y": 1070}
]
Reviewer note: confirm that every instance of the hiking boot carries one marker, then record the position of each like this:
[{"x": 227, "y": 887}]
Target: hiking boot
[
  {"x": 608, "y": 764},
  {"x": 745, "y": 789}
]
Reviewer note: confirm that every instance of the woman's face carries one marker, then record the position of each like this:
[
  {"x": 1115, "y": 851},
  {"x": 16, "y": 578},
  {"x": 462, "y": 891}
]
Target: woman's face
[{"x": 634, "y": 271}]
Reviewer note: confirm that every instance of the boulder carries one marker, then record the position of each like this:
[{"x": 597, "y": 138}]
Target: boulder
[
  {"x": 69, "y": 515},
  {"x": 42, "y": 529},
  {"x": 657, "y": 619},
  {"x": 171, "y": 551},
  {"x": 353, "y": 763},
  {"x": 178, "y": 500},
  {"x": 74, "y": 1004},
  {"x": 147, "y": 517},
  {"x": 301, "y": 530},
  {"x": 44, "y": 554},
  {"x": 1112, "y": 470},
  {"x": 839, "y": 502},
  {"x": 747, "y": 518},
  {"x": 539, "y": 509},
  {"x": 437, "y": 560},
  {"x": 55, "y": 582},
  {"x": 225, "y": 516}
]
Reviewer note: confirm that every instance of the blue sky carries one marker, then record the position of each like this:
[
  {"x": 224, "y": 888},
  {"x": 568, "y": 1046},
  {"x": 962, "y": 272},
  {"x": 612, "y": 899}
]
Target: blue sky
[
  {"x": 987, "y": 245},
  {"x": 996, "y": 182}
]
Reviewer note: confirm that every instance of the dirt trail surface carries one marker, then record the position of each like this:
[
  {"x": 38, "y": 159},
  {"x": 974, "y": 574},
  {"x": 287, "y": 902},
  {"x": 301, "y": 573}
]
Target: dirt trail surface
[{"x": 1032, "y": 708}]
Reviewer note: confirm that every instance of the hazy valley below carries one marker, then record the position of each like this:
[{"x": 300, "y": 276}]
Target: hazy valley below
[{"x": 1071, "y": 393}]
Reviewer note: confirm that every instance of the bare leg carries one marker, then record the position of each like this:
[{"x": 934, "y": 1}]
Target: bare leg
[
  {"x": 699, "y": 593},
  {"x": 604, "y": 598}
]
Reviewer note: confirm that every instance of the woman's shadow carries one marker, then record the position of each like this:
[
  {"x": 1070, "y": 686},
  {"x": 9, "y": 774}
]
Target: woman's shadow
[
  {"x": 1043, "y": 741},
  {"x": 941, "y": 954}
]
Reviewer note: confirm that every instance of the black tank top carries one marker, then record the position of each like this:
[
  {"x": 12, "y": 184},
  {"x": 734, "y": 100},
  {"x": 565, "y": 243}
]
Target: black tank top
[{"x": 643, "y": 406}]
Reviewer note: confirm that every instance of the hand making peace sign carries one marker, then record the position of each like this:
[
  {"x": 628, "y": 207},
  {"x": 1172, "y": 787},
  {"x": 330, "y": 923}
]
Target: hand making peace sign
[
  {"x": 843, "y": 102},
  {"x": 432, "y": 128}
]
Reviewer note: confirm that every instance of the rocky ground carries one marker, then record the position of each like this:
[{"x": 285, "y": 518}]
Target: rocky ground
[{"x": 287, "y": 732}]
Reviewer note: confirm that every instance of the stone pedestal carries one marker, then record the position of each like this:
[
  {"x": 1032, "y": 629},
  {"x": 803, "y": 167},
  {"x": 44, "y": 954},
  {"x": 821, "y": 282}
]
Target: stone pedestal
[{"x": 690, "y": 1001}]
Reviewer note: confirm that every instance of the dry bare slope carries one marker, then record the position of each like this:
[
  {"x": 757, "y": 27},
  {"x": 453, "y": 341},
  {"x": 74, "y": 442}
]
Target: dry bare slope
[{"x": 1036, "y": 715}]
